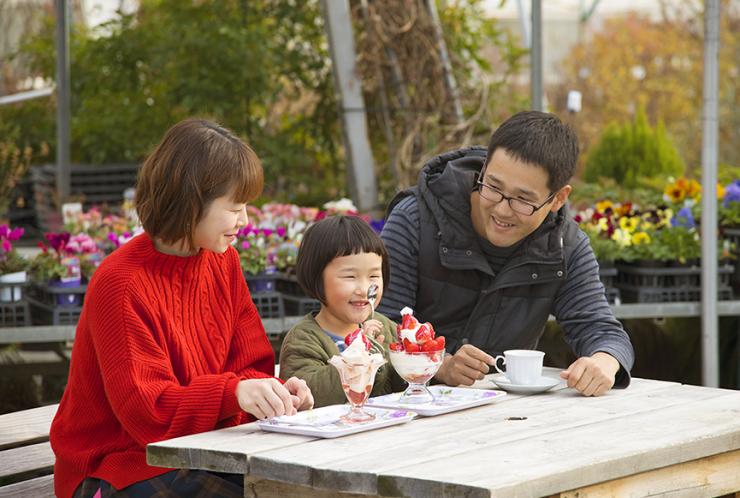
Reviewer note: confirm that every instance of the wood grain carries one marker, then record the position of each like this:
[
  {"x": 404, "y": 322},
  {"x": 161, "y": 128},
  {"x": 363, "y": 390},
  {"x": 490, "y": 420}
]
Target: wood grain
[{"x": 26, "y": 427}]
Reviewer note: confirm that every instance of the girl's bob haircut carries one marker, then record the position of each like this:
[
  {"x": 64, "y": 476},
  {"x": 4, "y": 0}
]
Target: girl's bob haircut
[
  {"x": 331, "y": 238},
  {"x": 196, "y": 162}
]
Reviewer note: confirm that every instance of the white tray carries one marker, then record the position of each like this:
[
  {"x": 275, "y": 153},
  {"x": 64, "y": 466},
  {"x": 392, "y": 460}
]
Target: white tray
[
  {"x": 325, "y": 422},
  {"x": 447, "y": 399}
]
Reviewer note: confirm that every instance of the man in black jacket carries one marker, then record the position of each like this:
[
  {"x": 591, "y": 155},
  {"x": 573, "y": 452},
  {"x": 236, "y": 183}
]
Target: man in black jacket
[{"x": 483, "y": 248}]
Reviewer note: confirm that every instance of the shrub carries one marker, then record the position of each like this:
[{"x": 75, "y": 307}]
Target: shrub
[{"x": 633, "y": 150}]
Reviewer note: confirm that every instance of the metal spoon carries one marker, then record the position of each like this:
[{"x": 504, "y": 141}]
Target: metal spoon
[{"x": 372, "y": 296}]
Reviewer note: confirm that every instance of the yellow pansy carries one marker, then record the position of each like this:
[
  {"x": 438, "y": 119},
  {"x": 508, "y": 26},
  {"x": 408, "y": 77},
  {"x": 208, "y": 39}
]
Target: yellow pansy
[
  {"x": 640, "y": 238},
  {"x": 621, "y": 237},
  {"x": 674, "y": 193},
  {"x": 602, "y": 206},
  {"x": 720, "y": 192},
  {"x": 629, "y": 223}
]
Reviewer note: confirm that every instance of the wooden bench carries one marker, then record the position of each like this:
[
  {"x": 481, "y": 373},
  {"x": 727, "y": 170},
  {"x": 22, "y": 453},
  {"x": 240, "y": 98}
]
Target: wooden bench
[{"x": 26, "y": 459}]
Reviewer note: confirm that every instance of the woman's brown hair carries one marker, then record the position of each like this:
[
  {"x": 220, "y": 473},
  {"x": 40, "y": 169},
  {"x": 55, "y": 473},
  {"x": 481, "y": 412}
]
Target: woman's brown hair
[{"x": 196, "y": 162}]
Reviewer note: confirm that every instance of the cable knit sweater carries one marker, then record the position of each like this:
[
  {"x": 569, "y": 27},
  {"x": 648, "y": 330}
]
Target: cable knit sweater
[{"x": 160, "y": 347}]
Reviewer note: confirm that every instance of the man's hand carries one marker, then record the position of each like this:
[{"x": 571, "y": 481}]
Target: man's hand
[
  {"x": 592, "y": 376},
  {"x": 464, "y": 367},
  {"x": 300, "y": 393}
]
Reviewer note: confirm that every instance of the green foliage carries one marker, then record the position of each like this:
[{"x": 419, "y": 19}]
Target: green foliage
[
  {"x": 632, "y": 151},
  {"x": 605, "y": 249},
  {"x": 46, "y": 267},
  {"x": 12, "y": 262},
  {"x": 648, "y": 194},
  {"x": 260, "y": 68},
  {"x": 729, "y": 216}
]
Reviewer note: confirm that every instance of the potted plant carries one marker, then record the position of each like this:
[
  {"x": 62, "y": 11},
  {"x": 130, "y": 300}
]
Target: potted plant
[
  {"x": 12, "y": 265},
  {"x": 58, "y": 268}
]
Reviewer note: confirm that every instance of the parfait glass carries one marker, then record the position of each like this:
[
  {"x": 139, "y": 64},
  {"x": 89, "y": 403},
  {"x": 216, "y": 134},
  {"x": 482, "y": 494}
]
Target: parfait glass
[
  {"x": 417, "y": 369},
  {"x": 357, "y": 381}
]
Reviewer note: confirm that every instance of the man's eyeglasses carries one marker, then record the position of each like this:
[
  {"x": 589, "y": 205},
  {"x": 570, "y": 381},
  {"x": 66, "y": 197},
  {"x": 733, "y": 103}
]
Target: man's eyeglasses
[{"x": 517, "y": 205}]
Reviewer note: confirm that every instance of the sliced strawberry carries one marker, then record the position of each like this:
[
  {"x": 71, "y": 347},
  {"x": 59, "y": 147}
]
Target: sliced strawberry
[
  {"x": 349, "y": 338},
  {"x": 423, "y": 334},
  {"x": 395, "y": 346},
  {"x": 355, "y": 397},
  {"x": 431, "y": 329},
  {"x": 430, "y": 346},
  {"x": 411, "y": 347},
  {"x": 408, "y": 322},
  {"x": 440, "y": 341},
  {"x": 407, "y": 344}
]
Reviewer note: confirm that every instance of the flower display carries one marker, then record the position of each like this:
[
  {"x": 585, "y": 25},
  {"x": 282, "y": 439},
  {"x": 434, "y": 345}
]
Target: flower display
[
  {"x": 729, "y": 209},
  {"x": 66, "y": 256},
  {"x": 669, "y": 232},
  {"x": 10, "y": 260},
  {"x": 108, "y": 230}
]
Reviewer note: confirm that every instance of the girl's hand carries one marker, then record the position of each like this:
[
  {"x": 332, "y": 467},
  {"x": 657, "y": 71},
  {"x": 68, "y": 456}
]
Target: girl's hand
[
  {"x": 265, "y": 398},
  {"x": 300, "y": 393},
  {"x": 374, "y": 330}
]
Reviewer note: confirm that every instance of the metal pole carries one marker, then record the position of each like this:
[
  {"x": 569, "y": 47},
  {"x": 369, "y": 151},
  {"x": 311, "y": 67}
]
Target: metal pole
[
  {"x": 63, "y": 99},
  {"x": 535, "y": 56},
  {"x": 710, "y": 146},
  {"x": 525, "y": 24},
  {"x": 361, "y": 166},
  {"x": 28, "y": 95}
]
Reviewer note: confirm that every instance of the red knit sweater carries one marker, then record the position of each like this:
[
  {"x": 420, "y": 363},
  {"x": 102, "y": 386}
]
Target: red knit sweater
[{"x": 160, "y": 347}]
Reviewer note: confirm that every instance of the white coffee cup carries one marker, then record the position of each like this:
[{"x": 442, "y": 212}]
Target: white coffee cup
[{"x": 523, "y": 366}]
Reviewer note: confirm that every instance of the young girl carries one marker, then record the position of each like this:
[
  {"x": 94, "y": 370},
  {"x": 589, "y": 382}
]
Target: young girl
[
  {"x": 169, "y": 342},
  {"x": 339, "y": 258}
]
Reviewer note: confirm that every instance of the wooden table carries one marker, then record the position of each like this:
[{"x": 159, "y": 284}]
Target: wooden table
[
  {"x": 26, "y": 459},
  {"x": 654, "y": 437}
]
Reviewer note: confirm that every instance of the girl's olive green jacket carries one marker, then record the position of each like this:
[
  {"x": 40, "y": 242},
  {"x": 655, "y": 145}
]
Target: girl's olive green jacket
[{"x": 305, "y": 354}]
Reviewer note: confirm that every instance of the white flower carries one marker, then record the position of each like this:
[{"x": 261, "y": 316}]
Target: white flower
[{"x": 342, "y": 205}]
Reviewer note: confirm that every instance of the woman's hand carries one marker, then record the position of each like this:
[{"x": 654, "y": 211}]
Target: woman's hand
[
  {"x": 265, "y": 398},
  {"x": 374, "y": 330},
  {"x": 300, "y": 393}
]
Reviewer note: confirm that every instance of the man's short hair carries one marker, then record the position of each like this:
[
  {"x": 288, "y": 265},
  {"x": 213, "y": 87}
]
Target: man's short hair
[
  {"x": 196, "y": 162},
  {"x": 541, "y": 139},
  {"x": 331, "y": 238}
]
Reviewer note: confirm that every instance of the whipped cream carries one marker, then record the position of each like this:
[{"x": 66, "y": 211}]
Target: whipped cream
[
  {"x": 357, "y": 366},
  {"x": 409, "y": 334}
]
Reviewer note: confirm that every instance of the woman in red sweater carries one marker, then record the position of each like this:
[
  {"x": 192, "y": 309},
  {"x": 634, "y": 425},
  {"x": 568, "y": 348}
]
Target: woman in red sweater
[{"x": 169, "y": 342}]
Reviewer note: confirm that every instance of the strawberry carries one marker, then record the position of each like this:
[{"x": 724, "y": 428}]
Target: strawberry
[
  {"x": 408, "y": 322},
  {"x": 395, "y": 346},
  {"x": 349, "y": 338},
  {"x": 412, "y": 348},
  {"x": 440, "y": 341},
  {"x": 430, "y": 346},
  {"x": 423, "y": 334},
  {"x": 431, "y": 329}
]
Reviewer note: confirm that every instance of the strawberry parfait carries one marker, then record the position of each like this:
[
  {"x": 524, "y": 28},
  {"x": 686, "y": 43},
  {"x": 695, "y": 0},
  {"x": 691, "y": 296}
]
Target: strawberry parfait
[
  {"x": 357, "y": 367},
  {"x": 416, "y": 356}
]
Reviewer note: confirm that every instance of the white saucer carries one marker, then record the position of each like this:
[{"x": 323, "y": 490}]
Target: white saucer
[{"x": 543, "y": 384}]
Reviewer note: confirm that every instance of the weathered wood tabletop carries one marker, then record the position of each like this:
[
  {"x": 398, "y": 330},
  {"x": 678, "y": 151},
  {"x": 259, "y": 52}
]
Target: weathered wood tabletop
[{"x": 654, "y": 437}]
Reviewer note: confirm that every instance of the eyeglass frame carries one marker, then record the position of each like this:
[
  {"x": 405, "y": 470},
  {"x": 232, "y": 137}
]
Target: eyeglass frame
[{"x": 508, "y": 199}]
